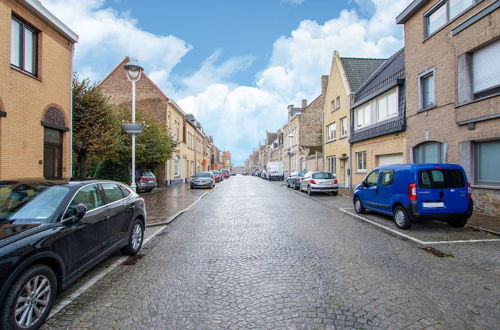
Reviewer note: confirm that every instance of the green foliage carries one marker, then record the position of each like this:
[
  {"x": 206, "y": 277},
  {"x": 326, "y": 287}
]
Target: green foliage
[
  {"x": 112, "y": 170},
  {"x": 93, "y": 123}
]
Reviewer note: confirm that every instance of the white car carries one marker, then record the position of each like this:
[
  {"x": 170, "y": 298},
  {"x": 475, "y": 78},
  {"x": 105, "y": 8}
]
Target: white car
[{"x": 313, "y": 182}]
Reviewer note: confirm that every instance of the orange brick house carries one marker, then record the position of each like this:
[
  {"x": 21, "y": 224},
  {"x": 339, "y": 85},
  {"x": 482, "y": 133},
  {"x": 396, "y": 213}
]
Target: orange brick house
[{"x": 36, "y": 54}]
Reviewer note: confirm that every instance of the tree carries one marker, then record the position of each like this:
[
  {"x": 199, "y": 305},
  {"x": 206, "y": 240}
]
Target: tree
[
  {"x": 153, "y": 146},
  {"x": 94, "y": 126}
]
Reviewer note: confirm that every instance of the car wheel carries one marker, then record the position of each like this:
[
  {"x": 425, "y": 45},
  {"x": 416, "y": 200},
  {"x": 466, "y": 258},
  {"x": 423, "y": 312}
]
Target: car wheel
[
  {"x": 135, "y": 239},
  {"x": 401, "y": 218},
  {"x": 460, "y": 222},
  {"x": 30, "y": 299},
  {"x": 309, "y": 191},
  {"x": 358, "y": 206},
  {"x": 335, "y": 193}
]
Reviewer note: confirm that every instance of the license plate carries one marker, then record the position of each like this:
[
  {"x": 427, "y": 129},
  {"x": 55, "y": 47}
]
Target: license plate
[{"x": 434, "y": 205}]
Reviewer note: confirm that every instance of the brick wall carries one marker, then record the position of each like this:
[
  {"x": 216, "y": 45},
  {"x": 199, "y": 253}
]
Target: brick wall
[{"x": 25, "y": 98}]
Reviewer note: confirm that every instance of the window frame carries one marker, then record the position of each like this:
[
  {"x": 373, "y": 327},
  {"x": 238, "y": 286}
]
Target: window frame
[
  {"x": 390, "y": 182},
  {"x": 333, "y": 136},
  {"x": 424, "y": 75},
  {"x": 441, "y": 153},
  {"x": 106, "y": 196},
  {"x": 343, "y": 127},
  {"x": 23, "y": 27},
  {"x": 101, "y": 192},
  {"x": 363, "y": 162},
  {"x": 448, "y": 18},
  {"x": 475, "y": 155},
  {"x": 332, "y": 164}
]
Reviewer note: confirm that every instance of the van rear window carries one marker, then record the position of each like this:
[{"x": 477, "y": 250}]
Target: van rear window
[{"x": 441, "y": 178}]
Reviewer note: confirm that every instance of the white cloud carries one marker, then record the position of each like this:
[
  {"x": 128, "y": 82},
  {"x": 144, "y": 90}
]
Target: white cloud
[
  {"x": 107, "y": 36},
  {"x": 244, "y": 113}
]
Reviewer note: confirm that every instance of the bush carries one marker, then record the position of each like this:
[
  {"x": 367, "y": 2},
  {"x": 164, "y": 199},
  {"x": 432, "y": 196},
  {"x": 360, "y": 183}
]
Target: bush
[{"x": 113, "y": 170}]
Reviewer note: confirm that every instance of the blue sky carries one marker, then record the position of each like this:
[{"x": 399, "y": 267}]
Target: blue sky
[{"x": 234, "y": 64}]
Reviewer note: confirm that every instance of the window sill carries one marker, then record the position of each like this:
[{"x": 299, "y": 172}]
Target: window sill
[
  {"x": 479, "y": 99},
  {"x": 342, "y": 137},
  {"x": 427, "y": 109},
  {"x": 330, "y": 141},
  {"x": 360, "y": 172},
  {"x": 15, "y": 68},
  {"x": 485, "y": 186}
]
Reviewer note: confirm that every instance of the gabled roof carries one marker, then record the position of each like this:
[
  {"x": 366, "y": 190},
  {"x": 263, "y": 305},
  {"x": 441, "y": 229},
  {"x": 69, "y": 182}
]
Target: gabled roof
[
  {"x": 357, "y": 70},
  {"x": 386, "y": 76},
  {"x": 143, "y": 76}
]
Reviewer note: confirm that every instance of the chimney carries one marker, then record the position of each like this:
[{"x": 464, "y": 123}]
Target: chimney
[
  {"x": 304, "y": 103},
  {"x": 324, "y": 84}
]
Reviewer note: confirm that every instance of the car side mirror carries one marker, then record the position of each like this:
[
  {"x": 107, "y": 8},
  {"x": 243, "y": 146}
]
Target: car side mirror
[
  {"x": 365, "y": 184},
  {"x": 80, "y": 210}
]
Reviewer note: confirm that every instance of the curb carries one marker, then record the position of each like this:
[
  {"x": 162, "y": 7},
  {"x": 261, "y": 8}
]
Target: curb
[
  {"x": 486, "y": 230},
  {"x": 173, "y": 217}
]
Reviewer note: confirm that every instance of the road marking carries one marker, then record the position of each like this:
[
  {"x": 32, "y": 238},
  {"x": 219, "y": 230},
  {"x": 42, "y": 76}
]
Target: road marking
[{"x": 411, "y": 238}]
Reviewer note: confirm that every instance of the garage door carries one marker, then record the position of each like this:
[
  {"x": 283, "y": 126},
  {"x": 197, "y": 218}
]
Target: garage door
[{"x": 390, "y": 159}]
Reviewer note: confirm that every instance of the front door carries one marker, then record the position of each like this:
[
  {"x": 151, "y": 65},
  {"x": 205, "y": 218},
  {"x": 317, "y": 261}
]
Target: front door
[
  {"x": 52, "y": 154},
  {"x": 346, "y": 174}
]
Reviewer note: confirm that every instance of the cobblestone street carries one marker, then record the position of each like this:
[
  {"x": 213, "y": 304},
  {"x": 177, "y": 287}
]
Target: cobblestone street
[{"x": 253, "y": 254}]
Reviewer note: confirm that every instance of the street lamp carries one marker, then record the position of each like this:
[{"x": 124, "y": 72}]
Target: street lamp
[{"x": 134, "y": 72}]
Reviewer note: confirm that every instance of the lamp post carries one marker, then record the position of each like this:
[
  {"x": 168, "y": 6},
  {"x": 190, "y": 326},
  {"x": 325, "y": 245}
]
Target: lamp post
[{"x": 134, "y": 72}]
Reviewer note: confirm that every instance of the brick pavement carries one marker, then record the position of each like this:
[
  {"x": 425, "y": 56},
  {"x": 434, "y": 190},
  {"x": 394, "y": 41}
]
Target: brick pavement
[{"x": 251, "y": 255}]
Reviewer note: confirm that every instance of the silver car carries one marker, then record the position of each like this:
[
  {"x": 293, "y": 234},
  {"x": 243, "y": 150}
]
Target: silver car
[
  {"x": 319, "y": 182},
  {"x": 203, "y": 180}
]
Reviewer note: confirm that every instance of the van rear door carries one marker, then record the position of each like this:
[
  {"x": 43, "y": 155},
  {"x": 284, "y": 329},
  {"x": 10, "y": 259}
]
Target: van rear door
[{"x": 442, "y": 190}]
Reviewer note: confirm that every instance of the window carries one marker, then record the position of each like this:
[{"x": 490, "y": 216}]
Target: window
[
  {"x": 436, "y": 179},
  {"x": 486, "y": 70},
  {"x": 88, "y": 195},
  {"x": 363, "y": 116},
  {"x": 176, "y": 167},
  {"x": 333, "y": 106},
  {"x": 361, "y": 161},
  {"x": 331, "y": 132},
  {"x": 332, "y": 165},
  {"x": 486, "y": 154},
  {"x": 372, "y": 178},
  {"x": 302, "y": 164},
  {"x": 112, "y": 191},
  {"x": 337, "y": 102},
  {"x": 23, "y": 46},
  {"x": 444, "y": 13},
  {"x": 427, "y": 92},
  {"x": 380, "y": 109},
  {"x": 387, "y": 178},
  {"x": 429, "y": 152},
  {"x": 343, "y": 127}
]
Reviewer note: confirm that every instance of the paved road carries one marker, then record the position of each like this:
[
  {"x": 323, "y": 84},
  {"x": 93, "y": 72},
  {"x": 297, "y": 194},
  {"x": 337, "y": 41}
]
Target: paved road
[{"x": 253, "y": 254}]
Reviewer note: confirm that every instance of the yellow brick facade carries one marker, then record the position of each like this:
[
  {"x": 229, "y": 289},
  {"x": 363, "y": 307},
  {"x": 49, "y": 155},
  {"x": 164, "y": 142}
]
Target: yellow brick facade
[
  {"x": 338, "y": 89},
  {"x": 24, "y": 97}
]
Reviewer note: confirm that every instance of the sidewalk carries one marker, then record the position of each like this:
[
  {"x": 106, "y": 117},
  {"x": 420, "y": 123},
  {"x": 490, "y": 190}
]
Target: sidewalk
[
  {"x": 485, "y": 223},
  {"x": 165, "y": 202}
]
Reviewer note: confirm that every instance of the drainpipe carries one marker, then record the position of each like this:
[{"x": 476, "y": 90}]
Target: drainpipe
[
  {"x": 350, "y": 145},
  {"x": 71, "y": 115}
]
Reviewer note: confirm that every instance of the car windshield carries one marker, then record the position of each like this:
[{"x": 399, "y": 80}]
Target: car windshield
[
  {"x": 322, "y": 175},
  {"x": 302, "y": 173},
  {"x": 30, "y": 203},
  {"x": 203, "y": 175}
]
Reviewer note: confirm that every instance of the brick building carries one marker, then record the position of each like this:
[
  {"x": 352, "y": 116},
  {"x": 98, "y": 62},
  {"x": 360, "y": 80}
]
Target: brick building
[
  {"x": 302, "y": 133},
  {"x": 379, "y": 119},
  {"x": 346, "y": 76},
  {"x": 36, "y": 54},
  {"x": 452, "y": 68}
]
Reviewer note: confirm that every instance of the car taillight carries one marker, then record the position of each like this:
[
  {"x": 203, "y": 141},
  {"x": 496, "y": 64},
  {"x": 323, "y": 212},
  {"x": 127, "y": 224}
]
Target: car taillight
[
  {"x": 143, "y": 178},
  {"x": 412, "y": 191},
  {"x": 312, "y": 181},
  {"x": 335, "y": 181},
  {"x": 469, "y": 191}
]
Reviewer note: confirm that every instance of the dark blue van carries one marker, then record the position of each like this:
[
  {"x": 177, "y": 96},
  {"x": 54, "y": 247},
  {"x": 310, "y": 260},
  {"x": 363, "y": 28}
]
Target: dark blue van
[{"x": 416, "y": 192}]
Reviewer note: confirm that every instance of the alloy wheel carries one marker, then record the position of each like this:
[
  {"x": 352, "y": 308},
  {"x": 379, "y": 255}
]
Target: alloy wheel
[
  {"x": 137, "y": 236},
  {"x": 32, "y": 301}
]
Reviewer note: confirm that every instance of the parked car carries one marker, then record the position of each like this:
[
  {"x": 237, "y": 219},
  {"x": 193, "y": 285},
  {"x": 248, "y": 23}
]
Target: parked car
[
  {"x": 203, "y": 180},
  {"x": 145, "y": 180},
  {"x": 294, "y": 179},
  {"x": 52, "y": 232},
  {"x": 263, "y": 174},
  {"x": 232, "y": 173},
  {"x": 275, "y": 170},
  {"x": 225, "y": 173},
  {"x": 313, "y": 182},
  {"x": 417, "y": 191},
  {"x": 217, "y": 175}
]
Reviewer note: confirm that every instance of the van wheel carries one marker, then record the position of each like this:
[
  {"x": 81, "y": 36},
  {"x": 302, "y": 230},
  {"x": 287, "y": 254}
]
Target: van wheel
[
  {"x": 30, "y": 299},
  {"x": 358, "y": 206},
  {"x": 460, "y": 222},
  {"x": 401, "y": 218}
]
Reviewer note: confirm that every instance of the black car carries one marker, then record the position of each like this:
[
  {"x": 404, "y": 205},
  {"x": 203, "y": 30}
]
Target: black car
[{"x": 51, "y": 232}]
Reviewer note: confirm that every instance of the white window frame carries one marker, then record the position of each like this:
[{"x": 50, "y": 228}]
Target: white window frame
[
  {"x": 343, "y": 127},
  {"x": 332, "y": 164},
  {"x": 331, "y": 132},
  {"x": 420, "y": 78},
  {"x": 448, "y": 17},
  {"x": 362, "y": 155}
]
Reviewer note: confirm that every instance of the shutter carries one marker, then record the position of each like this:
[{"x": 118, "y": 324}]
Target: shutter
[{"x": 486, "y": 68}]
